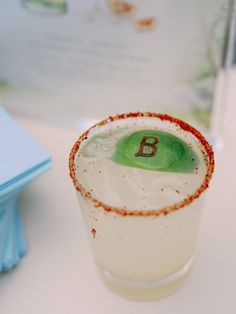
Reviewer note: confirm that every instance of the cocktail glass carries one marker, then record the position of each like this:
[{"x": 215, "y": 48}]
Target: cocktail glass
[{"x": 142, "y": 252}]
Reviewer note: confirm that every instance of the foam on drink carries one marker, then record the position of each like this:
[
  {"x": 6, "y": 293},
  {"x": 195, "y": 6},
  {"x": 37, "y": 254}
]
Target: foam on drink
[{"x": 137, "y": 164}]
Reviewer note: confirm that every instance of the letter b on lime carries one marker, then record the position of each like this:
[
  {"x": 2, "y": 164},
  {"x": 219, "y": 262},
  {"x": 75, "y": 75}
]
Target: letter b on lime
[{"x": 149, "y": 142}]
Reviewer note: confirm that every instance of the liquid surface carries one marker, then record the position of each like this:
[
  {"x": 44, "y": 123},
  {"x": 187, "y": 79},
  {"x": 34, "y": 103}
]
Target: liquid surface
[{"x": 141, "y": 166}]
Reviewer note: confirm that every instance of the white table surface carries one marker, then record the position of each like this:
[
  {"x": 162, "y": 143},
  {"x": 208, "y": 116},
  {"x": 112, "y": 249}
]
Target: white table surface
[{"x": 58, "y": 275}]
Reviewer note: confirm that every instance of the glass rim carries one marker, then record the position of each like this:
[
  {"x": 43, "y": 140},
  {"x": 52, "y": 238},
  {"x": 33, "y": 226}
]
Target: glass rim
[{"x": 152, "y": 212}]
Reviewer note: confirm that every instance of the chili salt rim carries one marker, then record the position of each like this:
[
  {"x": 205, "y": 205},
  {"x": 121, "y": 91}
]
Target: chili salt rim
[{"x": 155, "y": 212}]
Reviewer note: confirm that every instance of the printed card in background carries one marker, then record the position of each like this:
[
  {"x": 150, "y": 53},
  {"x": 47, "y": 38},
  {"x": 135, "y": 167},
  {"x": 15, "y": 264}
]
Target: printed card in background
[{"x": 70, "y": 61}]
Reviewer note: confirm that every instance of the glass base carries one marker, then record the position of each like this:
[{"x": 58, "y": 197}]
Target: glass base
[{"x": 145, "y": 290}]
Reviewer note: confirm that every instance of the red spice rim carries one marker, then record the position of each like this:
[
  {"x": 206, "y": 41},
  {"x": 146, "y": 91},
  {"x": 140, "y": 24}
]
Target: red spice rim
[{"x": 155, "y": 212}]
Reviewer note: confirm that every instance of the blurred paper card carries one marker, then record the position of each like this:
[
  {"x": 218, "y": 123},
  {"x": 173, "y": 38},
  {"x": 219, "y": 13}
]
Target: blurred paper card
[{"x": 74, "y": 60}]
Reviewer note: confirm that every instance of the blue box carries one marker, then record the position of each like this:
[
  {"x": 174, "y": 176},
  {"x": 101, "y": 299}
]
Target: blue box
[{"x": 21, "y": 160}]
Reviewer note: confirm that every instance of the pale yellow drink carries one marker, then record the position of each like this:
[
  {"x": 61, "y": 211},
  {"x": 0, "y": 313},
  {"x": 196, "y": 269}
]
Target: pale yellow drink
[{"x": 142, "y": 223}]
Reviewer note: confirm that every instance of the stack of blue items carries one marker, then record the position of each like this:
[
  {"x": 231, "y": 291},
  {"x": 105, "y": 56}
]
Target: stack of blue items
[{"x": 21, "y": 160}]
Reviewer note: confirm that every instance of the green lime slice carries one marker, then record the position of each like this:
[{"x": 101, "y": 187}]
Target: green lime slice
[{"x": 155, "y": 150}]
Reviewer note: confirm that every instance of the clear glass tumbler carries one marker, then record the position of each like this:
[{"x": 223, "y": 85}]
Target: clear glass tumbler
[{"x": 143, "y": 242}]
